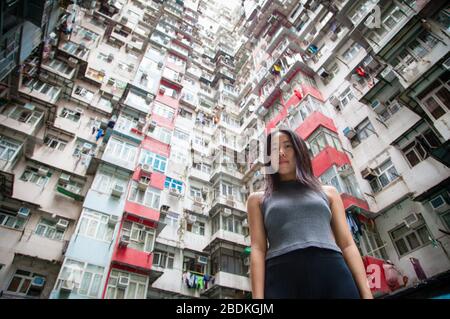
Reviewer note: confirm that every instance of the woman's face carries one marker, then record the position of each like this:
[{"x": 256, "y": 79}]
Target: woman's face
[{"x": 284, "y": 149}]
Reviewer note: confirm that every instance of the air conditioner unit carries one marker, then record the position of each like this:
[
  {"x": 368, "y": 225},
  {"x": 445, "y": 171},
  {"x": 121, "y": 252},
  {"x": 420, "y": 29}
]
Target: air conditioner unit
[
  {"x": 226, "y": 212},
  {"x": 162, "y": 91},
  {"x": 334, "y": 101},
  {"x": 191, "y": 219},
  {"x": 29, "y": 106},
  {"x": 349, "y": 133},
  {"x": 42, "y": 171},
  {"x": 38, "y": 282},
  {"x": 23, "y": 212},
  {"x": 284, "y": 86},
  {"x": 230, "y": 198},
  {"x": 146, "y": 168},
  {"x": 245, "y": 223},
  {"x": 247, "y": 261},
  {"x": 113, "y": 220},
  {"x": 110, "y": 57},
  {"x": 323, "y": 73},
  {"x": 368, "y": 173},
  {"x": 64, "y": 177},
  {"x": 72, "y": 62},
  {"x": 205, "y": 190},
  {"x": 62, "y": 224},
  {"x": 411, "y": 220},
  {"x": 198, "y": 200},
  {"x": 67, "y": 285},
  {"x": 160, "y": 65},
  {"x": 345, "y": 170},
  {"x": 124, "y": 240},
  {"x": 152, "y": 126},
  {"x": 123, "y": 282},
  {"x": 87, "y": 147},
  {"x": 202, "y": 260},
  {"x": 439, "y": 204},
  {"x": 117, "y": 190},
  {"x": 143, "y": 183},
  {"x": 174, "y": 191},
  {"x": 149, "y": 98},
  {"x": 378, "y": 107}
]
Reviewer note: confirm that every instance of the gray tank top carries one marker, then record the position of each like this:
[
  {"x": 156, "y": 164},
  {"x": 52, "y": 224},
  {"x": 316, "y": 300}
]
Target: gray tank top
[{"x": 297, "y": 217}]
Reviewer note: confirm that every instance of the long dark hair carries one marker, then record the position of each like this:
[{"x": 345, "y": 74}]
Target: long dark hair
[{"x": 304, "y": 172}]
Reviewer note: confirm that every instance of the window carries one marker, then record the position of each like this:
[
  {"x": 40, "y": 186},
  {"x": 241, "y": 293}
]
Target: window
[
  {"x": 363, "y": 131},
  {"x": 191, "y": 264},
  {"x": 385, "y": 174},
  {"x": 185, "y": 114},
  {"x": 232, "y": 224},
  {"x": 168, "y": 91},
  {"x": 162, "y": 134},
  {"x": 156, "y": 161},
  {"x": 142, "y": 238},
  {"x": 346, "y": 97},
  {"x": 47, "y": 228},
  {"x": 95, "y": 225},
  {"x": 205, "y": 168},
  {"x": 195, "y": 192},
  {"x": 229, "y": 261},
  {"x": 104, "y": 57},
  {"x": 197, "y": 228},
  {"x": 72, "y": 185},
  {"x": 351, "y": 52},
  {"x": 70, "y": 114},
  {"x": 8, "y": 148},
  {"x": 60, "y": 66},
  {"x": 390, "y": 19},
  {"x": 414, "y": 51},
  {"x": 87, "y": 277},
  {"x": 150, "y": 197},
  {"x": 163, "y": 259},
  {"x": 171, "y": 219},
  {"x": 181, "y": 135},
  {"x": 121, "y": 150},
  {"x": 21, "y": 284},
  {"x": 436, "y": 98},
  {"x": 392, "y": 107},
  {"x": 179, "y": 157},
  {"x": 53, "y": 142},
  {"x": 42, "y": 88},
  {"x": 446, "y": 219},
  {"x": 321, "y": 139},
  {"x": 33, "y": 175},
  {"x": 407, "y": 239},
  {"x": 371, "y": 243},
  {"x": 361, "y": 10},
  {"x": 414, "y": 153},
  {"x": 173, "y": 183},
  {"x": 84, "y": 93},
  {"x": 24, "y": 114},
  {"x": 10, "y": 219},
  {"x": 163, "y": 110},
  {"x": 104, "y": 181}
]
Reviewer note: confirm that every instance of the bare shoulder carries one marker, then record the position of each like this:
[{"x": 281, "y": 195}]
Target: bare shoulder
[
  {"x": 255, "y": 198},
  {"x": 331, "y": 192}
]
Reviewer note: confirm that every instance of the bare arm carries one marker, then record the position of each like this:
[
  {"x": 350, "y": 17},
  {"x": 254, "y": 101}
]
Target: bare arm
[
  {"x": 258, "y": 245},
  {"x": 346, "y": 243}
]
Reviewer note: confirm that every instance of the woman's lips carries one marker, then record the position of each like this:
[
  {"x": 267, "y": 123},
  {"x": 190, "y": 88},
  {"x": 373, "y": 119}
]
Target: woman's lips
[{"x": 283, "y": 162}]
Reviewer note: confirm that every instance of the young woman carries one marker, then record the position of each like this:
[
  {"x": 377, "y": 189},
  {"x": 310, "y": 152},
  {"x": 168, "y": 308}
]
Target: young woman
[{"x": 301, "y": 245}]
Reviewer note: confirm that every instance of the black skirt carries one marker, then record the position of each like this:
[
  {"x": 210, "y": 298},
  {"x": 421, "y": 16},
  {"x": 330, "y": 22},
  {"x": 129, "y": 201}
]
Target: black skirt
[{"x": 309, "y": 273}]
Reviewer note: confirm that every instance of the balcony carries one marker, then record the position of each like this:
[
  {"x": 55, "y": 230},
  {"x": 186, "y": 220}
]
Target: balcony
[
  {"x": 40, "y": 90},
  {"x": 77, "y": 50},
  {"x": 229, "y": 201},
  {"x": 313, "y": 122},
  {"x": 352, "y": 201},
  {"x": 135, "y": 259},
  {"x": 230, "y": 170},
  {"x": 227, "y": 280},
  {"x": 328, "y": 157}
]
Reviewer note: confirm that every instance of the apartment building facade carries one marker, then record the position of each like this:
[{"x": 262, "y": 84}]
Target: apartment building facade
[{"x": 131, "y": 138}]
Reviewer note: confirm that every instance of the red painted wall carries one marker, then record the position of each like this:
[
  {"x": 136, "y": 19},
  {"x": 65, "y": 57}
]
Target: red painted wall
[
  {"x": 313, "y": 122},
  {"x": 155, "y": 146},
  {"x": 327, "y": 158},
  {"x": 141, "y": 211},
  {"x": 157, "y": 179},
  {"x": 133, "y": 257},
  {"x": 167, "y": 99},
  {"x": 349, "y": 201}
]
